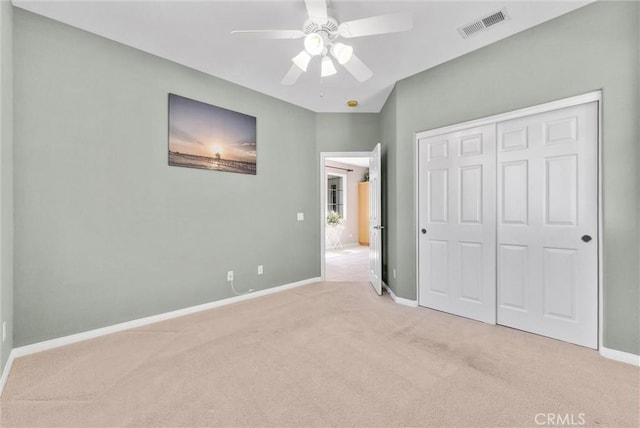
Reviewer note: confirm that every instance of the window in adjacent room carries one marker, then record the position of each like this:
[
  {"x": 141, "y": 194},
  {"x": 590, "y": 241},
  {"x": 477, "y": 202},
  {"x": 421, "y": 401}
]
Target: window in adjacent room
[{"x": 336, "y": 194}]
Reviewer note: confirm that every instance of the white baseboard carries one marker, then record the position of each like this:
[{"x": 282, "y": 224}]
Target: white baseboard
[
  {"x": 621, "y": 356},
  {"x": 5, "y": 372},
  {"x": 613, "y": 354},
  {"x": 400, "y": 300},
  {"x": 79, "y": 337}
]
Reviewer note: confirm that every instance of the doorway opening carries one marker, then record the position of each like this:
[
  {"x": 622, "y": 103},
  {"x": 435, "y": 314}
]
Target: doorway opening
[{"x": 345, "y": 216}]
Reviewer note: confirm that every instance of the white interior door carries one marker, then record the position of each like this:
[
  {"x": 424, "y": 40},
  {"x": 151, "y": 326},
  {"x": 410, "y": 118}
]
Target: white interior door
[
  {"x": 375, "y": 224},
  {"x": 548, "y": 225},
  {"x": 456, "y": 192}
]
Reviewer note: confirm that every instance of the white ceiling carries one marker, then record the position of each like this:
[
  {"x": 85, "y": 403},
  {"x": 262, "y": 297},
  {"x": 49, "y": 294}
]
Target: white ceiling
[{"x": 197, "y": 34}]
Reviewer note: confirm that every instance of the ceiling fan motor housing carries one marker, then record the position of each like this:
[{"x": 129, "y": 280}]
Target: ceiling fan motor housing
[{"x": 322, "y": 25}]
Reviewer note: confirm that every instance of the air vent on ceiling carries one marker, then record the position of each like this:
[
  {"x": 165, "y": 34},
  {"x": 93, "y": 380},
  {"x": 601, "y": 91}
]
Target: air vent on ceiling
[{"x": 483, "y": 23}]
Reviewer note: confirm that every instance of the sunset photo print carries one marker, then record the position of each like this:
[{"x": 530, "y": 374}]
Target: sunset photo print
[{"x": 208, "y": 137}]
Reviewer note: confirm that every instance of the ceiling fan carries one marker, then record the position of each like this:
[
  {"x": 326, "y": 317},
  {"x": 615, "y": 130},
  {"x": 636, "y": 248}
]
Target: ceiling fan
[{"x": 320, "y": 33}]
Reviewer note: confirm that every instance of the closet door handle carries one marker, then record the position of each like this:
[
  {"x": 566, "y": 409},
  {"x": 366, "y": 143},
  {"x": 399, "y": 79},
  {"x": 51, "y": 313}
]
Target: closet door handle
[
  {"x": 424, "y": 231},
  {"x": 586, "y": 238}
]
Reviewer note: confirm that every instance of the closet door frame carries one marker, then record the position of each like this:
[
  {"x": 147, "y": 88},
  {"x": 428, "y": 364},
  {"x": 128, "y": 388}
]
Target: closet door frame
[{"x": 590, "y": 97}]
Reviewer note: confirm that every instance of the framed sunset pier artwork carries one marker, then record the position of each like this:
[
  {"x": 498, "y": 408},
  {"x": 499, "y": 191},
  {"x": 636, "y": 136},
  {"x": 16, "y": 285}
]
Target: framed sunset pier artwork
[{"x": 208, "y": 137}]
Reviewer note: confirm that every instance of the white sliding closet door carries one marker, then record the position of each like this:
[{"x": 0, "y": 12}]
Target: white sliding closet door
[
  {"x": 548, "y": 224},
  {"x": 508, "y": 222},
  {"x": 457, "y": 223}
]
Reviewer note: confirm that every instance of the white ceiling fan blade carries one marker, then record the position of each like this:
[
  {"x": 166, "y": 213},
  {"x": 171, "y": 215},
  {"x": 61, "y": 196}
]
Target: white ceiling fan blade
[
  {"x": 376, "y": 25},
  {"x": 317, "y": 10},
  {"x": 292, "y": 75},
  {"x": 358, "y": 69},
  {"x": 268, "y": 34}
]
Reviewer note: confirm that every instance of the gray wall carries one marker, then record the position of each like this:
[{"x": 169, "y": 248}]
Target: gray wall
[
  {"x": 107, "y": 232},
  {"x": 347, "y": 132},
  {"x": 595, "y": 47},
  {"x": 6, "y": 177}
]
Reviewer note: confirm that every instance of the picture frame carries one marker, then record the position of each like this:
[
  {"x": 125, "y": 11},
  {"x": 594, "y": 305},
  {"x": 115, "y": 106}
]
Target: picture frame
[{"x": 205, "y": 136}]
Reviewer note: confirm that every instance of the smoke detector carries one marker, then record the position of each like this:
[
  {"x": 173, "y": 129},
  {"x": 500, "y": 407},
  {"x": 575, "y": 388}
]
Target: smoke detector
[{"x": 483, "y": 23}]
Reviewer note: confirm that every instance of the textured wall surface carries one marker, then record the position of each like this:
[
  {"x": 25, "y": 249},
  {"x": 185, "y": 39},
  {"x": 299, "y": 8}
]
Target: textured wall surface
[
  {"x": 106, "y": 231},
  {"x": 6, "y": 178}
]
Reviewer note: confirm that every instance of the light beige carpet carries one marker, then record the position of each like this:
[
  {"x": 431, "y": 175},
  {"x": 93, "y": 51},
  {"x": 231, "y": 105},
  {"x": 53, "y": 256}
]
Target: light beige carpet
[
  {"x": 347, "y": 264},
  {"x": 327, "y": 354}
]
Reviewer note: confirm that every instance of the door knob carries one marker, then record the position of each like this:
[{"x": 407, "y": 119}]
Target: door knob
[
  {"x": 378, "y": 227},
  {"x": 586, "y": 238},
  {"x": 424, "y": 231}
]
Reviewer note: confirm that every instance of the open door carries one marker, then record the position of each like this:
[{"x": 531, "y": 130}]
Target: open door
[{"x": 375, "y": 226}]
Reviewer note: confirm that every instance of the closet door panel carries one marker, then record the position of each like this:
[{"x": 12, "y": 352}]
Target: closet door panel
[
  {"x": 548, "y": 214},
  {"x": 457, "y": 215}
]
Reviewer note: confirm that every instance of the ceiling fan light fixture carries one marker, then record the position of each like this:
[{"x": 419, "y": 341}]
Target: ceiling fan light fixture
[
  {"x": 302, "y": 60},
  {"x": 342, "y": 52},
  {"x": 314, "y": 44},
  {"x": 328, "y": 69}
]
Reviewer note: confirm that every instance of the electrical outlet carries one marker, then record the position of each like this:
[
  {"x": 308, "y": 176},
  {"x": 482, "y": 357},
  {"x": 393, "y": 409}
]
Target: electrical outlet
[
  {"x": 260, "y": 270},
  {"x": 4, "y": 331},
  {"x": 230, "y": 275}
]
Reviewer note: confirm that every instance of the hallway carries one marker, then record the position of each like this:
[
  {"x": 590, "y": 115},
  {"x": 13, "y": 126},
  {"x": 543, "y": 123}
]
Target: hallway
[{"x": 348, "y": 264}]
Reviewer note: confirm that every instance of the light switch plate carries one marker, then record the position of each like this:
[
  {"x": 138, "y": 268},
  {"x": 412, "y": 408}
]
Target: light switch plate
[{"x": 300, "y": 216}]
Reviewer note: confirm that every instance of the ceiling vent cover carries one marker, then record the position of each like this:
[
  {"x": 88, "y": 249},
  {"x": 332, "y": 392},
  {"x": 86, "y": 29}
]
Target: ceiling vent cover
[{"x": 483, "y": 23}]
